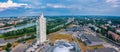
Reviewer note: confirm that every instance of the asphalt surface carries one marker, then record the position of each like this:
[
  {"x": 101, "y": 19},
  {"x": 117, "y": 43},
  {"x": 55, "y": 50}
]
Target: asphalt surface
[{"x": 19, "y": 48}]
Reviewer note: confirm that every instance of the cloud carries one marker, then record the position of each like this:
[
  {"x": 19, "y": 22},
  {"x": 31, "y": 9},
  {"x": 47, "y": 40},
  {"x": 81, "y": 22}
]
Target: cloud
[
  {"x": 60, "y": 7},
  {"x": 11, "y": 4},
  {"x": 56, "y": 5},
  {"x": 114, "y": 3}
]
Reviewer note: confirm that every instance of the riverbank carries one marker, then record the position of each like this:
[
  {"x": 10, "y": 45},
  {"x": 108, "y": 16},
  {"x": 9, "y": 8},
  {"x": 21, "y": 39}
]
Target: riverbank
[
  {"x": 18, "y": 27},
  {"x": 8, "y": 37}
]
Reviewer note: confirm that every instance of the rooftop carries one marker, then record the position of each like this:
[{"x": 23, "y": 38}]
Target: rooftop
[
  {"x": 2, "y": 41},
  {"x": 103, "y": 50},
  {"x": 91, "y": 40},
  {"x": 114, "y": 34},
  {"x": 117, "y": 28},
  {"x": 61, "y": 49},
  {"x": 65, "y": 46},
  {"x": 75, "y": 28}
]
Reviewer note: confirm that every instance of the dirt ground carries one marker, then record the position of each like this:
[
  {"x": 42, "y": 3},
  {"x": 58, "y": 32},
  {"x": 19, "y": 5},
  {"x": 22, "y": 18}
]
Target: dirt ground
[{"x": 56, "y": 36}]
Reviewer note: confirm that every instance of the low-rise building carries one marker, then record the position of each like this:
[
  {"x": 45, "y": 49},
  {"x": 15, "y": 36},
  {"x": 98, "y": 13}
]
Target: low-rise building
[
  {"x": 118, "y": 30},
  {"x": 75, "y": 28},
  {"x": 2, "y": 24},
  {"x": 96, "y": 28},
  {"x": 90, "y": 40},
  {"x": 2, "y": 42},
  {"x": 103, "y": 50},
  {"x": 114, "y": 35},
  {"x": 104, "y": 27}
]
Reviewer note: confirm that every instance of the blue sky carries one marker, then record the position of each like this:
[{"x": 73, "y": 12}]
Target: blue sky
[{"x": 59, "y": 7}]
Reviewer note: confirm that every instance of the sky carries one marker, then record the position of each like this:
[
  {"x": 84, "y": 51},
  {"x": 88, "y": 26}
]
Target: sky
[{"x": 59, "y": 7}]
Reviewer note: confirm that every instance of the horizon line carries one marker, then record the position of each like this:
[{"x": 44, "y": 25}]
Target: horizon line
[{"x": 63, "y": 15}]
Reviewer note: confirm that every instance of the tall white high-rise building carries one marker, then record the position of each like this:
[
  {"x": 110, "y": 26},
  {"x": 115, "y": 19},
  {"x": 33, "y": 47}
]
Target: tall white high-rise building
[{"x": 41, "y": 29}]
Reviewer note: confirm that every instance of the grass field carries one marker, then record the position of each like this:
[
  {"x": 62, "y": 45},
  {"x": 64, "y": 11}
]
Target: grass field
[
  {"x": 61, "y": 36},
  {"x": 71, "y": 25},
  {"x": 8, "y": 37},
  {"x": 56, "y": 36}
]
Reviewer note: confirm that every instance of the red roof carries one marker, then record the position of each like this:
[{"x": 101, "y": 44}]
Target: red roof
[
  {"x": 118, "y": 29},
  {"x": 114, "y": 34},
  {"x": 0, "y": 49},
  {"x": 104, "y": 27}
]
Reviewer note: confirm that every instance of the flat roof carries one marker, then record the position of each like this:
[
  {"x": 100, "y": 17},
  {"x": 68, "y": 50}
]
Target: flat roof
[
  {"x": 91, "y": 38},
  {"x": 2, "y": 41},
  {"x": 103, "y": 50}
]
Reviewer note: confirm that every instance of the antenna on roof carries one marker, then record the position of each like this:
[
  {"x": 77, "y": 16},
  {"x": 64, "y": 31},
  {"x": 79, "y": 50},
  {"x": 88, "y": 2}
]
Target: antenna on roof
[{"x": 41, "y": 15}]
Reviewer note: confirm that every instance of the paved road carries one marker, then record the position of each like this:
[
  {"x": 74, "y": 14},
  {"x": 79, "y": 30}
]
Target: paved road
[
  {"x": 110, "y": 41},
  {"x": 74, "y": 36},
  {"x": 107, "y": 39},
  {"x": 19, "y": 48}
]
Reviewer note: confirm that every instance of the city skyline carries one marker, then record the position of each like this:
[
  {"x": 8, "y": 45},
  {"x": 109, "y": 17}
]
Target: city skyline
[
  {"x": 55, "y": 7},
  {"x": 56, "y": 33}
]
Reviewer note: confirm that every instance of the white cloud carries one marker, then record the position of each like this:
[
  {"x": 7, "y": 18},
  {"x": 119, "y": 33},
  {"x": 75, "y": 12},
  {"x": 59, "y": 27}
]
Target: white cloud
[
  {"x": 56, "y": 6},
  {"x": 114, "y": 3},
  {"x": 11, "y": 4}
]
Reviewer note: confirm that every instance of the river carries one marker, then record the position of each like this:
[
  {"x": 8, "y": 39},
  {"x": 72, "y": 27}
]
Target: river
[{"x": 18, "y": 27}]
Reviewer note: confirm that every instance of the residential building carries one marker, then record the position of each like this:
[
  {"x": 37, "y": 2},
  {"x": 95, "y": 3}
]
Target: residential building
[
  {"x": 114, "y": 35},
  {"x": 118, "y": 30},
  {"x": 41, "y": 29},
  {"x": 2, "y": 24}
]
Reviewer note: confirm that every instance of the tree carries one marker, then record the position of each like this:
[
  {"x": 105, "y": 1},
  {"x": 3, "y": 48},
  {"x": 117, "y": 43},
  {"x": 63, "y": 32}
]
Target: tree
[
  {"x": 9, "y": 45},
  {"x": 96, "y": 48},
  {"x": 7, "y": 48}
]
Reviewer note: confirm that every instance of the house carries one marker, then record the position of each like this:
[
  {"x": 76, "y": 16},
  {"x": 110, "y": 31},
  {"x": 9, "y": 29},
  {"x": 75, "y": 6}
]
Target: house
[
  {"x": 114, "y": 35},
  {"x": 118, "y": 30},
  {"x": 2, "y": 24},
  {"x": 96, "y": 28},
  {"x": 104, "y": 27}
]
